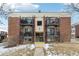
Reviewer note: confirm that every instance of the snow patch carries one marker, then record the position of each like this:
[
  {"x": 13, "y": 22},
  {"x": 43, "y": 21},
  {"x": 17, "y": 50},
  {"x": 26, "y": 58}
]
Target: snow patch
[
  {"x": 4, "y": 50},
  {"x": 32, "y": 46},
  {"x": 46, "y": 46}
]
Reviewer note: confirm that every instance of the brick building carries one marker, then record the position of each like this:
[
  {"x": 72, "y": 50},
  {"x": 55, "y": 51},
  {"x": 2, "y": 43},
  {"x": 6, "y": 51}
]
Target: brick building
[
  {"x": 77, "y": 30},
  {"x": 40, "y": 27}
]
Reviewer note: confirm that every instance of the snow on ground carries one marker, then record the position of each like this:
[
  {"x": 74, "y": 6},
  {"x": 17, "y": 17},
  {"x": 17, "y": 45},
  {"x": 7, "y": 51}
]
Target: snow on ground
[
  {"x": 46, "y": 46},
  {"x": 4, "y": 50},
  {"x": 55, "y": 49}
]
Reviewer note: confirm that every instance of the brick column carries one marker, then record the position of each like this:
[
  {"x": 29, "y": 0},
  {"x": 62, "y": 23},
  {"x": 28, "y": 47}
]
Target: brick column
[
  {"x": 33, "y": 30},
  {"x": 14, "y": 27},
  {"x": 45, "y": 29},
  {"x": 65, "y": 29}
]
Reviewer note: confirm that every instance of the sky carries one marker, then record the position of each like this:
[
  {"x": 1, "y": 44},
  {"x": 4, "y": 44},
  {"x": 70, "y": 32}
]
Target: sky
[
  {"x": 55, "y": 7},
  {"x": 44, "y": 7}
]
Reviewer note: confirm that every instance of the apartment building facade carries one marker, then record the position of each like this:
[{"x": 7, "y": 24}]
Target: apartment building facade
[
  {"x": 40, "y": 27},
  {"x": 77, "y": 30}
]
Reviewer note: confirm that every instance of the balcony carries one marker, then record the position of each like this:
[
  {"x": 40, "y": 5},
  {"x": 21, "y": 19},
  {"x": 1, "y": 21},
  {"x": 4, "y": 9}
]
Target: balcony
[
  {"x": 52, "y": 21},
  {"x": 27, "y": 21},
  {"x": 28, "y": 34},
  {"x": 53, "y": 31}
]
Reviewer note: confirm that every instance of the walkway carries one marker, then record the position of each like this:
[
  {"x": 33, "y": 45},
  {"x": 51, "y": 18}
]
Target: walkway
[{"x": 39, "y": 52}]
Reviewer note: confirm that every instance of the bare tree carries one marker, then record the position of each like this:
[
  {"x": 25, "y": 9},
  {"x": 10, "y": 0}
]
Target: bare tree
[
  {"x": 5, "y": 10},
  {"x": 72, "y": 7},
  {"x": 75, "y": 6}
]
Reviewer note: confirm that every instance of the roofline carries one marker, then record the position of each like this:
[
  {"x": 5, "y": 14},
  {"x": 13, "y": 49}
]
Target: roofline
[
  {"x": 40, "y": 12},
  {"x": 75, "y": 24},
  {"x": 57, "y": 14}
]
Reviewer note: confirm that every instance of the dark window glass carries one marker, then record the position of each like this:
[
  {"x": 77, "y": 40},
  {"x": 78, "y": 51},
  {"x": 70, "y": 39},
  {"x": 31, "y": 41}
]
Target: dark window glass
[{"x": 39, "y": 23}]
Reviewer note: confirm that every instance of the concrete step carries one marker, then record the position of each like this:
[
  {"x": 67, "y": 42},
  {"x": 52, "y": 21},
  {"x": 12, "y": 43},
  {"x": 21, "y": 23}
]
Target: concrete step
[{"x": 39, "y": 44}]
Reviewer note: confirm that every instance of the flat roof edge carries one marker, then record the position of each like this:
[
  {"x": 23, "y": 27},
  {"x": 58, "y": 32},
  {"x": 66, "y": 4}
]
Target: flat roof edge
[{"x": 40, "y": 14}]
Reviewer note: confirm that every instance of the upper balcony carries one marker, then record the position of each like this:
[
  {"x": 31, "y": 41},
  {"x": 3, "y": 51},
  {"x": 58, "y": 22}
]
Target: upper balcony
[
  {"x": 27, "y": 21},
  {"x": 52, "y": 21}
]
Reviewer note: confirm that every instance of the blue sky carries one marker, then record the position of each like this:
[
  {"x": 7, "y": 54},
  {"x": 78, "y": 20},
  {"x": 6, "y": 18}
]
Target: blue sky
[
  {"x": 51, "y": 7},
  {"x": 44, "y": 7}
]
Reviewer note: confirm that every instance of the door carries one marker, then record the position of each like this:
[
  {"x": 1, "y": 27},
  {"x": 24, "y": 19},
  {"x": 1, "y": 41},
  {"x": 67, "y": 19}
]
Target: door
[{"x": 39, "y": 37}]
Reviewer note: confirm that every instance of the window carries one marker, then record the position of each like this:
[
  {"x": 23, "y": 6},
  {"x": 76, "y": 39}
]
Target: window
[{"x": 39, "y": 23}]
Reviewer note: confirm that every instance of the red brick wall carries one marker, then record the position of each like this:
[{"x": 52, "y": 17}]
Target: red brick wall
[
  {"x": 77, "y": 31},
  {"x": 14, "y": 27},
  {"x": 65, "y": 29}
]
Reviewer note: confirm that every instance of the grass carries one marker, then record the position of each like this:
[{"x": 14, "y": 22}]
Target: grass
[{"x": 65, "y": 48}]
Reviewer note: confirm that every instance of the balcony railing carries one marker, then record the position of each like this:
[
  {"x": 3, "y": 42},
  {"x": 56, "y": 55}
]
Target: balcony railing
[
  {"x": 28, "y": 34},
  {"x": 27, "y": 21},
  {"x": 52, "y": 21}
]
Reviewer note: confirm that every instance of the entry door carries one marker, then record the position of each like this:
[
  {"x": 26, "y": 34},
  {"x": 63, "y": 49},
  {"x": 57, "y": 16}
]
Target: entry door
[{"x": 39, "y": 37}]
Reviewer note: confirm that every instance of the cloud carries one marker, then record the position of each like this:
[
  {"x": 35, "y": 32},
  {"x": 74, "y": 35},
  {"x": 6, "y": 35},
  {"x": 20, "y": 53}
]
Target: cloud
[
  {"x": 30, "y": 5},
  {"x": 22, "y": 7},
  {"x": 67, "y": 3}
]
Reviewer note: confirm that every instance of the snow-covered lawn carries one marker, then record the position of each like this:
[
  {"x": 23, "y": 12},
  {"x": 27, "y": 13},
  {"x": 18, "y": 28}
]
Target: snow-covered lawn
[
  {"x": 18, "y": 50},
  {"x": 54, "y": 49}
]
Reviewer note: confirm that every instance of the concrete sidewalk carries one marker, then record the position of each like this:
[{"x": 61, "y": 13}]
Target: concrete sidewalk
[{"x": 39, "y": 52}]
